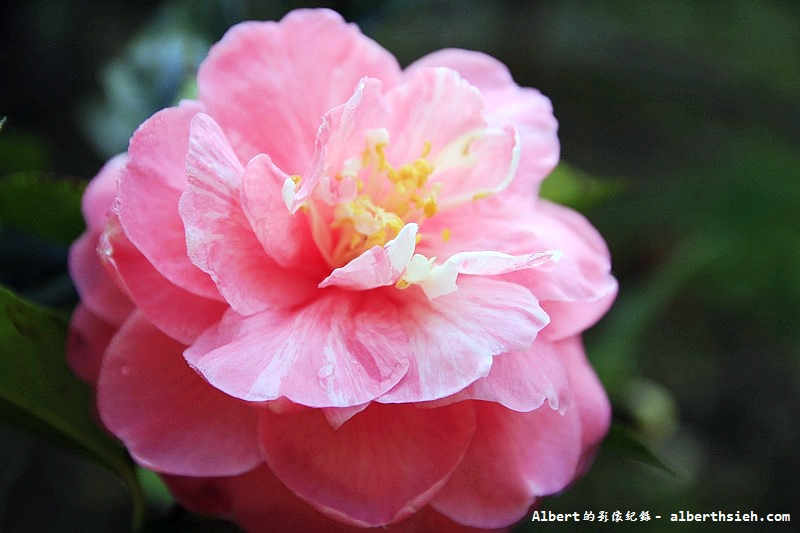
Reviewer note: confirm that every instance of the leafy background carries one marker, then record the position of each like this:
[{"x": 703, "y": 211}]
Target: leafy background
[{"x": 680, "y": 121}]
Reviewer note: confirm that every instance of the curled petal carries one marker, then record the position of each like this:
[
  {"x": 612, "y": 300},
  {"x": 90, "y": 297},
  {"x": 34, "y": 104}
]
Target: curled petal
[
  {"x": 219, "y": 238},
  {"x": 286, "y": 238},
  {"x": 377, "y": 267},
  {"x": 170, "y": 419}
]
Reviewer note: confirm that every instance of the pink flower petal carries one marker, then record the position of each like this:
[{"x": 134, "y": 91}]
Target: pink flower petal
[
  {"x": 513, "y": 459},
  {"x": 219, "y": 238},
  {"x": 506, "y": 103},
  {"x": 269, "y": 101},
  {"x": 342, "y": 135},
  {"x": 169, "y": 418},
  {"x": 96, "y": 289},
  {"x": 377, "y": 267},
  {"x": 285, "y": 237},
  {"x": 590, "y": 399},
  {"x": 523, "y": 380},
  {"x": 379, "y": 467},
  {"x": 341, "y": 350},
  {"x": 87, "y": 341},
  {"x": 261, "y": 503},
  {"x": 454, "y": 338},
  {"x": 100, "y": 193},
  {"x": 575, "y": 292},
  {"x": 437, "y": 106},
  {"x": 180, "y": 314},
  {"x": 150, "y": 187}
]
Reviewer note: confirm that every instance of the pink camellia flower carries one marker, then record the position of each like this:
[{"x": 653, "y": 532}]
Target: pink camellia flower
[{"x": 324, "y": 295}]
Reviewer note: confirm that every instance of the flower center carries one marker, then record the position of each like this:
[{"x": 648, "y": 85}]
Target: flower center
[{"x": 382, "y": 200}]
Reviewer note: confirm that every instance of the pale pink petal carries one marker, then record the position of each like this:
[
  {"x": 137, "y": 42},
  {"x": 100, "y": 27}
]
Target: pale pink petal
[
  {"x": 285, "y": 237},
  {"x": 523, "y": 380},
  {"x": 379, "y": 467},
  {"x": 481, "y": 70},
  {"x": 484, "y": 165},
  {"x": 513, "y": 459},
  {"x": 506, "y": 103},
  {"x": 150, "y": 187},
  {"x": 341, "y": 350},
  {"x": 219, "y": 238},
  {"x": 169, "y": 418},
  {"x": 87, "y": 341},
  {"x": 97, "y": 290},
  {"x": 575, "y": 292},
  {"x": 269, "y": 83},
  {"x": 100, "y": 193},
  {"x": 180, "y": 314},
  {"x": 377, "y": 267},
  {"x": 589, "y": 397},
  {"x": 341, "y": 136},
  {"x": 453, "y": 338},
  {"x": 436, "y": 107}
]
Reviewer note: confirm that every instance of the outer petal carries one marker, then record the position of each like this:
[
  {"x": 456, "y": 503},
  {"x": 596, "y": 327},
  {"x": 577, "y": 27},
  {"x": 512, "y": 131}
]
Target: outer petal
[
  {"x": 514, "y": 458},
  {"x": 180, "y": 314},
  {"x": 341, "y": 350},
  {"x": 88, "y": 338},
  {"x": 96, "y": 289},
  {"x": 590, "y": 399},
  {"x": 169, "y": 418},
  {"x": 378, "y": 266},
  {"x": 524, "y": 380},
  {"x": 99, "y": 195},
  {"x": 506, "y": 103},
  {"x": 150, "y": 187},
  {"x": 454, "y": 338},
  {"x": 269, "y": 83},
  {"x": 219, "y": 238},
  {"x": 381, "y": 466}
]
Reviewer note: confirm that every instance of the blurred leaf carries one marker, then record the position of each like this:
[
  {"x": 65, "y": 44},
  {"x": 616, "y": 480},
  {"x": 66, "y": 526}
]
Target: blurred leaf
[
  {"x": 45, "y": 205},
  {"x": 624, "y": 441},
  {"x": 38, "y": 392},
  {"x": 572, "y": 187}
]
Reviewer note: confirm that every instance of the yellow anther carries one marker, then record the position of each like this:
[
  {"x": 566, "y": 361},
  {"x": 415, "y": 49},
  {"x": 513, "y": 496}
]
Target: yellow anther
[
  {"x": 446, "y": 234},
  {"x": 296, "y": 179}
]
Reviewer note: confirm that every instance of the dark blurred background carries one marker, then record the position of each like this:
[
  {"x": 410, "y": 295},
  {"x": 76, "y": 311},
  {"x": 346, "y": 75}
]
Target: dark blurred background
[{"x": 689, "y": 111}]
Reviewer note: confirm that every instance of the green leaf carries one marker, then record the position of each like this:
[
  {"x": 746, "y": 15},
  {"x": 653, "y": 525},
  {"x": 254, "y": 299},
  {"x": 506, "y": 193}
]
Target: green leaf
[
  {"x": 38, "y": 392},
  {"x": 42, "y": 204},
  {"x": 624, "y": 441},
  {"x": 572, "y": 187}
]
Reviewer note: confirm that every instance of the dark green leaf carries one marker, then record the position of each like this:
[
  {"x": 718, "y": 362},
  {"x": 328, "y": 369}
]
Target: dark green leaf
[
  {"x": 41, "y": 204},
  {"x": 39, "y": 393},
  {"x": 572, "y": 187},
  {"x": 624, "y": 441}
]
